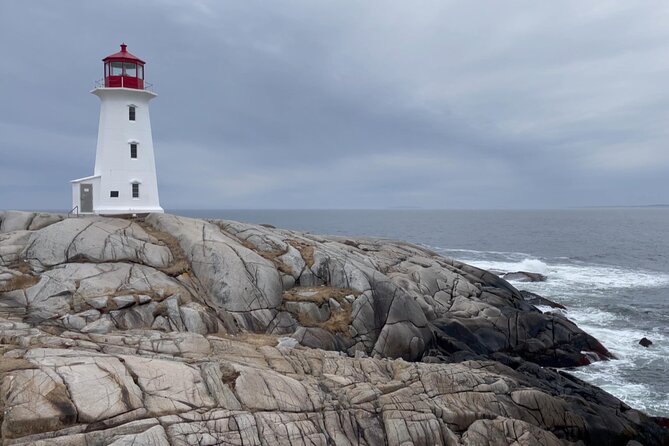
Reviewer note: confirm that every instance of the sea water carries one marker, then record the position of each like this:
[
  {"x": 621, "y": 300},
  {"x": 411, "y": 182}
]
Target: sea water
[{"x": 608, "y": 266}]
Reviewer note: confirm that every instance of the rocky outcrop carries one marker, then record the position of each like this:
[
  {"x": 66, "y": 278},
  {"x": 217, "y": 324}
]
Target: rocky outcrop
[
  {"x": 169, "y": 331},
  {"x": 524, "y": 276},
  {"x": 154, "y": 388}
]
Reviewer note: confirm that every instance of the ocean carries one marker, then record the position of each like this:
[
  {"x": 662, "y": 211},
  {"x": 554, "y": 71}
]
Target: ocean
[{"x": 608, "y": 266}]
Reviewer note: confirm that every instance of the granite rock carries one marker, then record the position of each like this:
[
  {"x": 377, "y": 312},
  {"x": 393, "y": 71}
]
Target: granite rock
[{"x": 176, "y": 331}]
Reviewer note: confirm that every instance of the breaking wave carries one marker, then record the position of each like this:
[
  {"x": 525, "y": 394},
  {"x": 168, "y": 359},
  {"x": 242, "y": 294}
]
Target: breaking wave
[
  {"x": 578, "y": 275},
  {"x": 608, "y": 302}
]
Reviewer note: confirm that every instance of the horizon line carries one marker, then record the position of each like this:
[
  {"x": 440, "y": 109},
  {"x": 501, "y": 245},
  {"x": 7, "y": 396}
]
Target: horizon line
[{"x": 390, "y": 208}]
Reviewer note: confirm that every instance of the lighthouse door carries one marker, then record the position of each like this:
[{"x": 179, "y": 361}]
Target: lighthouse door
[{"x": 86, "y": 197}]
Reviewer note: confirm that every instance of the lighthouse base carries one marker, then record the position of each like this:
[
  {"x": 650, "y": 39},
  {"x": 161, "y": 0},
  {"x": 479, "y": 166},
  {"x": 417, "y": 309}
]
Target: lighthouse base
[
  {"x": 129, "y": 211},
  {"x": 89, "y": 198}
]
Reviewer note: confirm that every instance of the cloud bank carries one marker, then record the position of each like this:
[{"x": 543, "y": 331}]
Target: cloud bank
[{"x": 343, "y": 104}]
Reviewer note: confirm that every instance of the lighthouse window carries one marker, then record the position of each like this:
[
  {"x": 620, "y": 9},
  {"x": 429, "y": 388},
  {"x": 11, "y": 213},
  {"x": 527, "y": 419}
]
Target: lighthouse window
[
  {"x": 117, "y": 68},
  {"x": 130, "y": 69},
  {"x": 140, "y": 71},
  {"x": 131, "y": 113},
  {"x": 135, "y": 190},
  {"x": 113, "y": 193},
  {"x": 133, "y": 150}
]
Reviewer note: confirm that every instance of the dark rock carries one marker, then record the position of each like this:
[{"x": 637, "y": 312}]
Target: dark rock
[
  {"x": 645, "y": 342},
  {"x": 662, "y": 421},
  {"x": 548, "y": 339},
  {"x": 535, "y": 299},
  {"x": 524, "y": 276}
]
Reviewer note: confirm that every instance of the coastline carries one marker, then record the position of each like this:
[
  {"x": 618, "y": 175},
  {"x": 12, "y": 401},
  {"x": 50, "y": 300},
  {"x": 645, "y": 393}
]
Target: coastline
[{"x": 366, "y": 301}]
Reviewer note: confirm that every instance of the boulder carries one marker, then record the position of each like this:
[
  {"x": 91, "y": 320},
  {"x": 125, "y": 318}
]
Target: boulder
[
  {"x": 315, "y": 337},
  {"x": 15, "y": 220},
  {"x": 524, "y": 276},
  {"x": 95, "y": 239},
  {"x": 645, "y": 342}
]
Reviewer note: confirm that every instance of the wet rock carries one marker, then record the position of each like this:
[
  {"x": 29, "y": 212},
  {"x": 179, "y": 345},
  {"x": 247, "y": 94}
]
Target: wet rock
[
  {"x": 645, "y": 342},
  {"x": 524, "y": 276},
  {"x": 536, "y": 299}
]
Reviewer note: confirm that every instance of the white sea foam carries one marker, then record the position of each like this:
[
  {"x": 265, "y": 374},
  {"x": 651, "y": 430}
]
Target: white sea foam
[
  {"x": 586, "y": 290},
  {"x": 598, "y": 277},
  {"x": 620, "y": 377},
  {"x": 607, "y": 277},
  {"x": 606, "y": 376},
  {"x": 609, "y": 376},
  {"x": 593, "y": 318}
]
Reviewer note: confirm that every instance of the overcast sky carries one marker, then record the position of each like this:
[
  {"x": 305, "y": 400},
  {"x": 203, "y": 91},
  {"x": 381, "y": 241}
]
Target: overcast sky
[{"x": 349, "y": 104}]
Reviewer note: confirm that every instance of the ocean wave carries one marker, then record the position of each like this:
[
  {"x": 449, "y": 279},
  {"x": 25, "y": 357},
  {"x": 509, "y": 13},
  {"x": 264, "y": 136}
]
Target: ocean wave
[
  {"x": 480, "y": 253},
  {"x": 606, "y": 277},
  {"x": 632, "y": 377},
  {"x": 606, "y": 376},
  {"x": 600, "y": 277},
  {"x": 607, "y": 302},
  {"x": 621, "y": 378},
  {"x": 569, "y": 272}
]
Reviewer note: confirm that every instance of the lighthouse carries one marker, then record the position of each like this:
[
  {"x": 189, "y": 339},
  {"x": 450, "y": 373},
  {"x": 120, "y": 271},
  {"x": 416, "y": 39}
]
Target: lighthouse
[{"x": 124, "y": 179}]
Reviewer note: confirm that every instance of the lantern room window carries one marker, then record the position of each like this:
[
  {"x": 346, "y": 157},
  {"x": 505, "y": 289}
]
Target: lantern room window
[
  {"x": 116, "y": 69},
  {"x": 129, "y": 69}
]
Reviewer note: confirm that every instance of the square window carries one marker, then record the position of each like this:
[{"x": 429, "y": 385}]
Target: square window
[
  {"x": 135, "y": 190},
  {"x": 131, "y": 113},
  {"x": 133, "y": 150},
  {"x": 113, "y": 194}
]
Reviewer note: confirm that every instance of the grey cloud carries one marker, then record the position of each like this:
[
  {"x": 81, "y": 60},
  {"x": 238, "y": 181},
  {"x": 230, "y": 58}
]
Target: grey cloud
[{"x": 349, "y": 104}]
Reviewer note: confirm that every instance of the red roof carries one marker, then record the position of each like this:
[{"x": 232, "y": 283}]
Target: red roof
[{"x": 123, "y": 55}]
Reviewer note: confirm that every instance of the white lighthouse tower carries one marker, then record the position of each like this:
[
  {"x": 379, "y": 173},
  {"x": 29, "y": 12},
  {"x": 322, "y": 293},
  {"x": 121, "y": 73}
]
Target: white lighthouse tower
[{"x": 124, "y": 180}]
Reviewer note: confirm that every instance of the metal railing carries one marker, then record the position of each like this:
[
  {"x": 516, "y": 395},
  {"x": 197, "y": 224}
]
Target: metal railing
[
  {"x": 100, "y": 83},
  {"x": 72, "y": 212}
]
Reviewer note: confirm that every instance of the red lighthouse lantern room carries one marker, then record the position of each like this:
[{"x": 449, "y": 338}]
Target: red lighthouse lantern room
[{"x": 124, "y": 70}]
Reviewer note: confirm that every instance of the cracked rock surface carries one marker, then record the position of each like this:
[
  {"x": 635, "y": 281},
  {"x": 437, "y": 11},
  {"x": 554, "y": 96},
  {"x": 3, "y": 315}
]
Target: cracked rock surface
[{"x": 167, "y": 330}]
